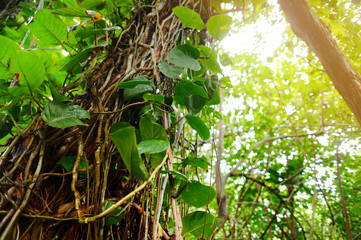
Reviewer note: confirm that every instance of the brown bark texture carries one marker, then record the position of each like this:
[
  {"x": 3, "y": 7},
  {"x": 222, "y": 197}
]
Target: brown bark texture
[
  {"x": 55, "y": 204},
  {"x": 306, "y": 25}
]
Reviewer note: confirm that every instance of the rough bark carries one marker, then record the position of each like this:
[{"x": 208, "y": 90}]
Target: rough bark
[
  {"x": 306, "y": 25},
  {"x": 147, "y": 39}
]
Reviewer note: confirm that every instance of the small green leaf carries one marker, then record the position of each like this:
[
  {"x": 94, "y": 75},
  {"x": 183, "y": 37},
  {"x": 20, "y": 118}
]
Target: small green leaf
[
  {"x": 219, "y": 25},
  {"x": 211, "y": 85},
  {"x": 137, "y": 87},
  {"x": 114, "y": 217},
  {"x": 77, "y": 60},
  {"x": 197, "y": 124},
  {"x": 225, "y": 59},
  {"x": 191, "y": 88},
  {"x": 126, "y": 143},
  {"x": 59, "y": 115},
  {"x": 68, "y": 162},
  {"x": 91, "y": 4},
  {"x": 196, "y": 162},
  {"x": 153, "y": 98},
  {"x": 170, "y": 71},
  {"x": 150, "y": 130},
  {"x": 211, "y": 60},
  {"x": 31, "y": 72},
  {"x": 188, "y": 17},
  {"x": 134, "y": 82},
  {"x": 48, "y": 27},
  {"x": 185, "y": 56},
  {"x": 151, "y": 146},
  {"x": 215, "y": 100},
  {"x": 193, "y": 223},
  {"x": 196, "y": 194},
  {"x": 226, "y": 81},
  {"x": 175, "y": 173},
  {"x": 54, "y": 92},
  {"x": 71, "y": 12}
]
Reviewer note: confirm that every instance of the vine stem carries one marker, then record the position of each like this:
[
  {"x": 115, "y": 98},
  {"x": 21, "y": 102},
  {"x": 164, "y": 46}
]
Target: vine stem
[
  {"x": 8, "y": 230},
  {"x": 131, "y": 194}
]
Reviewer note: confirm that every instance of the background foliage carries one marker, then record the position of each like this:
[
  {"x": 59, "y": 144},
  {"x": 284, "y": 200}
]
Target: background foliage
[{"x": 112, "y": 114}]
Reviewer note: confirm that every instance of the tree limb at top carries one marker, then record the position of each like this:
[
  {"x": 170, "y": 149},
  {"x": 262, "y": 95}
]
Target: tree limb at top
[{"x": 306, "y": 25}]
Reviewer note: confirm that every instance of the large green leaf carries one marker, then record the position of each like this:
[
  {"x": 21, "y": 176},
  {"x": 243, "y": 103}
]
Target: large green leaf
[
  {"x": 8, "y": 47},
  {"x": 60, "y": 115},
  {"x": 196, "y": 194},
  {"x": 31, "y": 72},
  {"x": 151, "y": 146},
  {"x": 185, "y": 56},
  {"x": 188, "y": 17},
  {"x": 219, "y": 25},
  {"x": 193, "y": 223},
  {"x": 126, "y": 143},
  {"x": 49, "y": 28},
  {"x": 170, "y": 71},
  {"x": 197, "y": 124}
]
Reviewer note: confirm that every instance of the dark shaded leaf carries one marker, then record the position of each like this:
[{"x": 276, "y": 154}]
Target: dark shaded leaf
[
  {"x": 126, "y": 143},
  {"x": 59, "y": 115},
  {"x": 114, "y": 217}
]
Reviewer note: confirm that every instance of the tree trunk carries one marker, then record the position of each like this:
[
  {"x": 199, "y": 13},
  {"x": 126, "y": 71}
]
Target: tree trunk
[
  {"x": 316, "y": 35},
  {"x": 51, "y": 194}
]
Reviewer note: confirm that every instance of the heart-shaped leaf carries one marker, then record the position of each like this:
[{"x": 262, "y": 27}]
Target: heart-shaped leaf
[
  {"x": 219, "y": 25},
  {"x": 188, "y": 17},
  {"x": 185, "y": 56}
]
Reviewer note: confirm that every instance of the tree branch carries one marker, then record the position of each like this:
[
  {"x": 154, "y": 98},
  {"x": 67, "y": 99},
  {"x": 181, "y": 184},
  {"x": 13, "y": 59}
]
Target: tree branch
[{"x": 306, "y": 25}]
